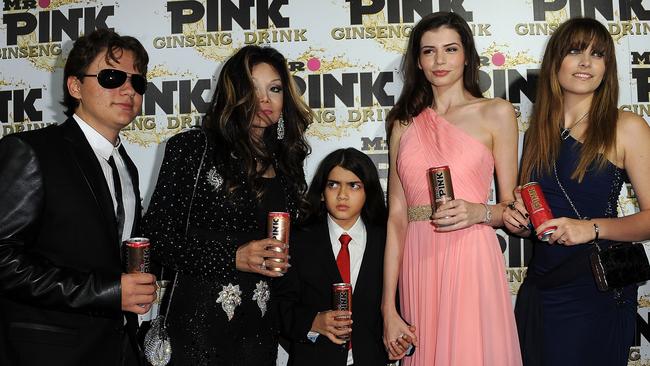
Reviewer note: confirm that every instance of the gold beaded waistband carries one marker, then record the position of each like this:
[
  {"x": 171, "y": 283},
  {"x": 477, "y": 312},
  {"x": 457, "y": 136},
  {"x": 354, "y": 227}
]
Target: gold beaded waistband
[{"x": 419, "y": 213}]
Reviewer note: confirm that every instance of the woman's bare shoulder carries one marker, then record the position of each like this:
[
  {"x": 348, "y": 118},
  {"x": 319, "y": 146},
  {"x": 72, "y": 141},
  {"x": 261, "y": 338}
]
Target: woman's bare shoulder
[
  {"x": 496, "y": 112},
  {"x": 630, "y": 127}
]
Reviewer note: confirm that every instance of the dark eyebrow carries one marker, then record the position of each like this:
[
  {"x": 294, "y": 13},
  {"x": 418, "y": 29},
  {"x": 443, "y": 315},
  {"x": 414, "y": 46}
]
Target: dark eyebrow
[
  {"x": 337, "y": 182},
  {"x": 445, "y": 45}
]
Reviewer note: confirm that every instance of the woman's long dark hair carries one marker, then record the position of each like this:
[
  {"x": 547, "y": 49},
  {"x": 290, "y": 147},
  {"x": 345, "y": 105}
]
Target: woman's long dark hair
[
  {"x": 542, "y": 143},
  {"x": 230, "y": 117},
  {"x": 374, "y": 209},
  {"x": 417, "y": 93}
]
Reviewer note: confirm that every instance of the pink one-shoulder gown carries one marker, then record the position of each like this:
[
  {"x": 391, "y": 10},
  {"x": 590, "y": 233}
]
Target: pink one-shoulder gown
[{"x": 453, "y": 285}]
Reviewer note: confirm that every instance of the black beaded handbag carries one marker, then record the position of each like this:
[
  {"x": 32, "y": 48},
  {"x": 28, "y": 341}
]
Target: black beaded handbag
[
  {"x": 157, "y": 343},
  {"x": 620, "y": 264}
]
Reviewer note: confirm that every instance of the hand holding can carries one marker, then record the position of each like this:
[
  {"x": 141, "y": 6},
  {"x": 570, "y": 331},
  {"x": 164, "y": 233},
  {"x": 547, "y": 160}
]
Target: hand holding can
[
  {"x": 538, "y": 208},
  {"x": 137, "y": 256},
  {"x": 441, "y": 189},
  {"x": 342, "y": 300}
]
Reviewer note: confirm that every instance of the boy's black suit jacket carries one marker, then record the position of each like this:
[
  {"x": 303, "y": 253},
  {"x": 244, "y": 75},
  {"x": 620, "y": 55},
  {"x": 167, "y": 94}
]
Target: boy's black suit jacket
[{"x": 306, "y": 289}]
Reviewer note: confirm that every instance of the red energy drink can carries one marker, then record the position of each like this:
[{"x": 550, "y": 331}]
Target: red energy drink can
[
  {"x": 342, "y": 300},
  {"x": 537, "y": 208},
  {"x": 137, "y": 255},
  {"x": 278, "y": 226},
  {"x": 442, "y": 190}
]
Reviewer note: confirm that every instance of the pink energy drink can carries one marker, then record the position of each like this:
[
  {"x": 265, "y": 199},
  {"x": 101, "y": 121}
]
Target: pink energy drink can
[
  {"x": 278, "y": 226},
  {"x": 342, "y": 299}
]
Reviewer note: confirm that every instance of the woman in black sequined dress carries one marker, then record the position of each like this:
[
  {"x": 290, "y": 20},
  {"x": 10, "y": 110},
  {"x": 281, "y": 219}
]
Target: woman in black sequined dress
[
  {"x": 246, "y": 160},
  {"x": 580, "y": 148}
]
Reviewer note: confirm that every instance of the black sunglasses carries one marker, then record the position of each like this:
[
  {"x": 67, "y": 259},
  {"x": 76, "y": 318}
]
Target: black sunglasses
[{"x": 111, "y": 79}]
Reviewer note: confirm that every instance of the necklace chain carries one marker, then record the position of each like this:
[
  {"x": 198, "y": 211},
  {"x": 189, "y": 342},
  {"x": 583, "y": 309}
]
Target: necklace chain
[
  {"x": 557, "y": 179},
  {"x": 566, "y": 131}
]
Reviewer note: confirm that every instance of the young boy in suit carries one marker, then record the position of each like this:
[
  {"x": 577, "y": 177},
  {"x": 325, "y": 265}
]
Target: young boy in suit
[{"x": 341, "y": 241}]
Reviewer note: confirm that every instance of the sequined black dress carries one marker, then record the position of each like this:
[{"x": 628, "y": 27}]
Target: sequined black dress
[{"x": 219, "y": 315}]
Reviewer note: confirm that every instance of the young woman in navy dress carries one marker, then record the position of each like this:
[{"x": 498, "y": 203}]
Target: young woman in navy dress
[{"x": 581, "y": 149}]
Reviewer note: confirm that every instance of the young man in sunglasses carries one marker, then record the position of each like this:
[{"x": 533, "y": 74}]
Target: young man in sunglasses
[{"x": 68, "y": 198}]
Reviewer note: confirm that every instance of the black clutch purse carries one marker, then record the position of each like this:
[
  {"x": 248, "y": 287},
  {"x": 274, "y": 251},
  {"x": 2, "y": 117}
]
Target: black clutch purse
[{"x": 619, "y": 265}]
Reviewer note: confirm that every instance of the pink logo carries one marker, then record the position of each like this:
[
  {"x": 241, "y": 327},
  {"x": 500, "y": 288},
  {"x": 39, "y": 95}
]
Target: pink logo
[
  {"x": 498, "y": 59},
  {"x": 313, "y": 64}
]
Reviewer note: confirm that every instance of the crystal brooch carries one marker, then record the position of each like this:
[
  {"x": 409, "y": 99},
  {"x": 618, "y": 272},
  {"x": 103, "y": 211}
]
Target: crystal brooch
[
  {"x": 215, "y": 179},
  {"x": 229, "y": 298},
  {"x": 262, "y": 295}
]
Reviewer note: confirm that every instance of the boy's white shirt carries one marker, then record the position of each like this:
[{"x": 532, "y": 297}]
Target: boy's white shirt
[{"x": 356, "y": 247}]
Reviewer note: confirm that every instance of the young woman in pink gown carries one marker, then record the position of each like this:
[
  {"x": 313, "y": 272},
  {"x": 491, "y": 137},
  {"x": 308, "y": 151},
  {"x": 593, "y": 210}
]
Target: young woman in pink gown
[{"x": 454, "y": 299}]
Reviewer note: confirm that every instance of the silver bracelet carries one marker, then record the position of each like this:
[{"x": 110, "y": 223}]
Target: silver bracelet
[{"x": 488, "y": 214}]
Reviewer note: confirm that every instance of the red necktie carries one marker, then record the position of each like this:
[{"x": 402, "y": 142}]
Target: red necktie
[
  {"x": 343, "y": 259},
  {"x": 343, "y": 262}
]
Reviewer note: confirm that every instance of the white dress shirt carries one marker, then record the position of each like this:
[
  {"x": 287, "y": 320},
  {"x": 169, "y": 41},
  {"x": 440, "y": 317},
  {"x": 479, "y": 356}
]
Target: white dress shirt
[
  {"x": 356, "y": 247},
  {"x": 104, "y": 149}
]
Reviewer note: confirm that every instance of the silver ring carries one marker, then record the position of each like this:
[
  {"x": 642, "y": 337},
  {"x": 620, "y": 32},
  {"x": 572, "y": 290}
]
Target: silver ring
[{"x": 263, "y": 265}]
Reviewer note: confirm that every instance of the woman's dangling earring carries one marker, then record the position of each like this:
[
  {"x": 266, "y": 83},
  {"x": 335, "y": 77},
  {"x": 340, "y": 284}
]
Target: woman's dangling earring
[{"x": 280, "y": 128}]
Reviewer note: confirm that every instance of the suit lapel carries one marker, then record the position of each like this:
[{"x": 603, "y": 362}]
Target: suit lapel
[
  {"x": 367, "y": 262},
  {"x": 325, "y": 254},
  {"x": 91, "y": 171}
]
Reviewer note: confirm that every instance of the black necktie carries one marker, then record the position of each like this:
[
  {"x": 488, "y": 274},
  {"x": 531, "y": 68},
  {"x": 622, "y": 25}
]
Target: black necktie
[{"x": 117, "y": 184}]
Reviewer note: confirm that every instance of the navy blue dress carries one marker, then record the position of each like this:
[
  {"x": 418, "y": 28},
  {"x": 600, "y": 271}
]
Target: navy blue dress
[{"x": 581, "y": 325}]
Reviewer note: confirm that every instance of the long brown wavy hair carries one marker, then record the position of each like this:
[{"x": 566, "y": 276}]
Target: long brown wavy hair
[
  {"x": 229, "y": 121},
  {"x": 416, "y": 92},
  {"x": 542, "y": 142}
]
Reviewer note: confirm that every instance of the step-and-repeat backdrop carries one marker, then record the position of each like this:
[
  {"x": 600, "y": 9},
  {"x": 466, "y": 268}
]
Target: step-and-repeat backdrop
[{"x": 344, "y": 54}]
